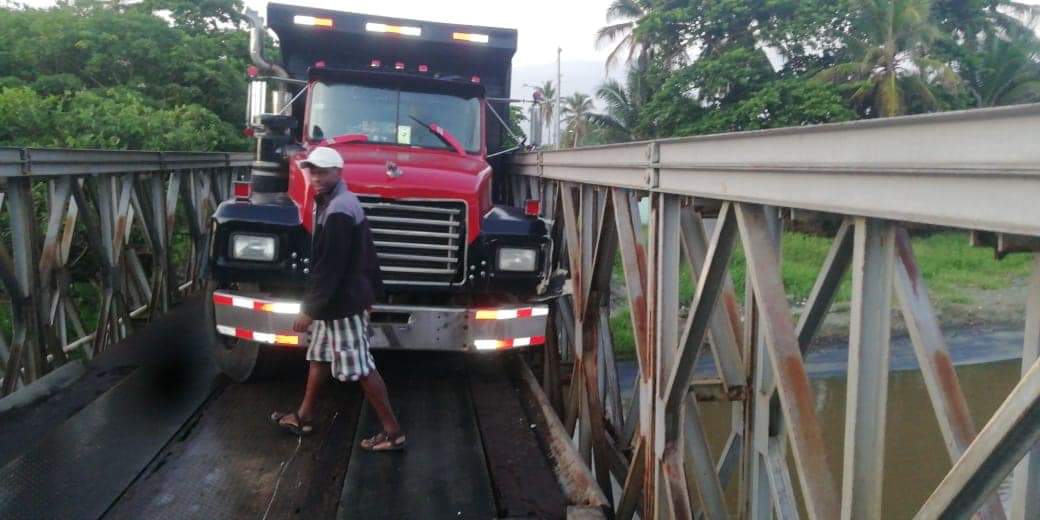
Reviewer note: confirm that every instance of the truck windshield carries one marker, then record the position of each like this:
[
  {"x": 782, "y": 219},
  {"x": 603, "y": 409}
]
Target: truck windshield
[{"x": 385, "y": 115}]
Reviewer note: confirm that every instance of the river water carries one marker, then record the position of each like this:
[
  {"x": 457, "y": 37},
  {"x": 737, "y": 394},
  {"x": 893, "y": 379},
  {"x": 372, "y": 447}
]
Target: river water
[{"x": 915, "y": 456}]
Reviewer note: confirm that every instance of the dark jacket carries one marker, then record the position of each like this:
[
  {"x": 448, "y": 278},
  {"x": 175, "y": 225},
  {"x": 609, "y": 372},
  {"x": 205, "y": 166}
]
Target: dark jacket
[{"x": 344, "y": 277}]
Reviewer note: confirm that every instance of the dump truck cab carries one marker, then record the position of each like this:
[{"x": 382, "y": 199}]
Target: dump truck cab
[{"x": 416, "y": 109}]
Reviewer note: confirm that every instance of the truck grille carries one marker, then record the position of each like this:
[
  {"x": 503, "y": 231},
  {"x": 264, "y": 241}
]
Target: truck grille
[{"x": 418, "y": 242}]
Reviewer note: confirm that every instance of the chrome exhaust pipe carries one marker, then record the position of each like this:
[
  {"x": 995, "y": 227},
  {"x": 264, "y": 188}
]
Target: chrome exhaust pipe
[{"x": 256, "y": 47}]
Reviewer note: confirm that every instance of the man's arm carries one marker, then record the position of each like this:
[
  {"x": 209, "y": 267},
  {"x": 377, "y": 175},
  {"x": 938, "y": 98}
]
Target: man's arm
[{"x": 328, "y": 269}]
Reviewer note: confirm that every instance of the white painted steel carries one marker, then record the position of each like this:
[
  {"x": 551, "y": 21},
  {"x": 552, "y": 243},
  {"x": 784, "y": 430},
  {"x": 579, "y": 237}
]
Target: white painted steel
[{"x": 977, "y": 169}]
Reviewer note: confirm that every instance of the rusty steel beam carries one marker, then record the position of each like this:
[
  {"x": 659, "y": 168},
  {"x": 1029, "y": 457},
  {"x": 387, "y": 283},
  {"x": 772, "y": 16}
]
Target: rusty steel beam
[
  {"x": 699, "y": 459},
  {"x": 1012, "y": 432},
  {"x": 709, "y": 287},
  {"x": 1025, "y": 498},
  {"x": 940, "y": 376},
  {"x": 724, "y": 343},
  {"x": 574, "y": 475},
  {"x": 107, "y": 192},
  {"x": 796, "y": 397},
  {"x": 669, "y": 486},
  {"x": 780, "y": 486}
]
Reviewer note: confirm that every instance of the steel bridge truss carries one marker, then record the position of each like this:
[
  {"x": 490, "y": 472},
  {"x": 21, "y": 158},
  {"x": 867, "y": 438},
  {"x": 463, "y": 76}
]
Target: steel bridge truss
[
  {"x": 128, "y": 211},
  {"x": 977, "y": 170}
]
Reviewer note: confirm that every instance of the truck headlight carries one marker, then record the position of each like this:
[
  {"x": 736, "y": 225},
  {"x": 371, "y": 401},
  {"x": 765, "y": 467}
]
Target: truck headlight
[
  {"x": 517, "y": 259},
  {"x": 258, "y": 248}
]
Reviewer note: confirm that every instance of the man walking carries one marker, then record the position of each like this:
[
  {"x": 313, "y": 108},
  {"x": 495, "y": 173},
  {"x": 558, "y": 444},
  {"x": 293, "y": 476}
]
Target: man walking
[{"x": 344, "y": 282}]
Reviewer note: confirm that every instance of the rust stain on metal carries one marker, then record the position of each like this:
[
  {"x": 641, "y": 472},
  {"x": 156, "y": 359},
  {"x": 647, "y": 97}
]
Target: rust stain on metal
[
  {"x": 48, "y": 256},
  {"x": 575, "y": 477},
  {"x": 959, "y": 415},
  {"x": 906, "y": 257},
  {"x": 729, "y": 300},
  {"x": 809, "y": 447},
  {"x": 798, "y": 379}
]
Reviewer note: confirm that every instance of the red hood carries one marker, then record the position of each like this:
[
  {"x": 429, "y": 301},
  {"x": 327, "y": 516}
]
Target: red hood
[{"x": 426, "y": 174}]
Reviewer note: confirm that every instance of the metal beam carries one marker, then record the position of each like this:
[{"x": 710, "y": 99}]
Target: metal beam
[
  {"x": 52, "y": 162},
  {"x": 724, "y": 343},
  {"x": 698, "y": 456},
  {"x": 1012, "y": 431},
  {"x": 869, "y": 345},
  {"x": 935, "y": 168},
  {"x": 796, "y": 398},
  {"x": 937, "y": 369},
  {"x": 709, "y": 286},
  {"x": 1025, "y": 501}
]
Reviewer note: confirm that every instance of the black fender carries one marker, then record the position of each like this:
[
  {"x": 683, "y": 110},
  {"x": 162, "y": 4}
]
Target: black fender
[{"x": 272, "y": 215}]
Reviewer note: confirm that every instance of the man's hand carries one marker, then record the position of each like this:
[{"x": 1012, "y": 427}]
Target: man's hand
[{"x": 302, "y": 323}]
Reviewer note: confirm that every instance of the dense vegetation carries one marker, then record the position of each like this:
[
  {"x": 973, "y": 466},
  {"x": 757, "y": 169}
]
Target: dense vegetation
[
  {"x": 157, "y": 74},
  {"x": 708, "y": 66}
]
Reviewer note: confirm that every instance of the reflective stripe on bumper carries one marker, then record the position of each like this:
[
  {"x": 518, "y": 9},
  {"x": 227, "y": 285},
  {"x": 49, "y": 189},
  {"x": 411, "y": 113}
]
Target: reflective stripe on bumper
[{"x": 263, "y": 319}]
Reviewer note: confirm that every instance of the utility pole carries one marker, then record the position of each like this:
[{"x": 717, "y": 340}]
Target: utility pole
[{"x": 559, "y": 92}]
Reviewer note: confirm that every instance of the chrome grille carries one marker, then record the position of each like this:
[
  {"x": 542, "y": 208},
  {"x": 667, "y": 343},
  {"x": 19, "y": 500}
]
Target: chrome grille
[{"x": 418, "y": 242}]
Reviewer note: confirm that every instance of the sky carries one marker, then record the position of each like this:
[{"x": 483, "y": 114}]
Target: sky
[{"x": 543, "y": 26}]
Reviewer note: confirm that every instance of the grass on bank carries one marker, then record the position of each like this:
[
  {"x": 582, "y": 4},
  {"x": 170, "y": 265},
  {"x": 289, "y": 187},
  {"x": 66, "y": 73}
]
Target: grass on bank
[{"x": 951, "y": 267}]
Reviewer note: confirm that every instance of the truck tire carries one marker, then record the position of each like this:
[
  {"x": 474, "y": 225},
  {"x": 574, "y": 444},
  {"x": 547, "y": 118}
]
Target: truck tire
[{"x": 236, "y": 358}]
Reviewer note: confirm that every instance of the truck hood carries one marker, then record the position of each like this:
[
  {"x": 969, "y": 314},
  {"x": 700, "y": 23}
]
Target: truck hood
[{"x": 424, "y": 174}]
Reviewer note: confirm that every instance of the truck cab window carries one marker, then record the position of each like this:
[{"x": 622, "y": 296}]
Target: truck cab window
[{"x": 385, "y": 115}]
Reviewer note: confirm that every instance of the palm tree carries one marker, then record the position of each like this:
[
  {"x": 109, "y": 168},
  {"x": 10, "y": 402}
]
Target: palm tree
[
  {"x": 548, "y": 104},
  {"x": 893, "y": 68},
  {"x": 623, "y": 106},
  {"x": 623, "y": 16},
  {"x": 1008, "y": 72},
  {"x": 576, "y": 113}
]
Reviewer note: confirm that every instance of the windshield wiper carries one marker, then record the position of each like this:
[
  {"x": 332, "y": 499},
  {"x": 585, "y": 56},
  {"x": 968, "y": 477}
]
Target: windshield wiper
[
  {"x": 441, "y": 133},
  {"x": 343, "y": 139}
]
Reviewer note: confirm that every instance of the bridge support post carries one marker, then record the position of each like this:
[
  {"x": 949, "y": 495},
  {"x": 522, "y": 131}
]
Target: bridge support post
[
  {"x": 867, "y": 394},
  {"x": 1025, "y": 502}
]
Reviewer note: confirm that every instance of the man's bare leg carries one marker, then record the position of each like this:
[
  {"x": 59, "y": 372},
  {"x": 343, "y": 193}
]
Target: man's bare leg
[
  {"x": 375, "y": 391},
  {"x": 317, "y": 373}
]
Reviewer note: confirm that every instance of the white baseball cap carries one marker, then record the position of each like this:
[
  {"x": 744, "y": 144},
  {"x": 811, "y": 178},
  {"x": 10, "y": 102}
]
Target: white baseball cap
[{"x": 323, "y": 157}]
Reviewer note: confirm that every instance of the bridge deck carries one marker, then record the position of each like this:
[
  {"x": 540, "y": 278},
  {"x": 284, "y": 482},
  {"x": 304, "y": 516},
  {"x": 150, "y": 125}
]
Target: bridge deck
[{"x": 172, "y": 439}]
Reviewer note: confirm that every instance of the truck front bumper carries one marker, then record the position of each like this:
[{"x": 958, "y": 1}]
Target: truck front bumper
[{"x": 269, "y": 320}]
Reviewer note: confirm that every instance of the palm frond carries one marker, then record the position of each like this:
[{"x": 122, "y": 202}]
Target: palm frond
[
  {"x": 609, "y": 34},
  {"x": 1024, "y": 92},
  {"x": 917, "y": 87},
  {"x": 626, "y": 9},
  {"x": 844, "y": 72}
]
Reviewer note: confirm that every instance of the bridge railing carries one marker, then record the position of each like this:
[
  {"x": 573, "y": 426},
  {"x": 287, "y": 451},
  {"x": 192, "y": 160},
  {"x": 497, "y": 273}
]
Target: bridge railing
[
  {"x": 976, "y": 170},
  {"x": 95, "y": 239}
]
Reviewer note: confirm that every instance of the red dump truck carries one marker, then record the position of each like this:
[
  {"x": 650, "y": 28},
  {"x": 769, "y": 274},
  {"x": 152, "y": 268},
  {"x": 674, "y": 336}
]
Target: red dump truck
[{"x": 416, "y": 110}]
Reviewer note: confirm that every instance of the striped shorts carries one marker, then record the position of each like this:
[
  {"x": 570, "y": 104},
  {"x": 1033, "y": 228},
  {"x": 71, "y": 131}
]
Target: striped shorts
[{"x": 344, "y": 343}]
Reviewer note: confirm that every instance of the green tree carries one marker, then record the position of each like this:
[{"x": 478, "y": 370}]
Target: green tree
[
  {"x": 548, "y": 104},
  {"x": 1008, "y": 72},
  {"x": 516, "y": 119},
  {"x": 788, "y": 102},
  {"x": 576, "y": 113},
  {"x": 893, "y": 69},
  {"x": 623, "y": 16},
  {"x": 109, "y": 47},
  {"x": 624, "y": 104}
]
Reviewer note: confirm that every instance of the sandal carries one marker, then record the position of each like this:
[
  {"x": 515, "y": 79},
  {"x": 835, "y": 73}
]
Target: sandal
[
  {"x": 384, "y": 441},
  {"x": 298, "y": 426}
]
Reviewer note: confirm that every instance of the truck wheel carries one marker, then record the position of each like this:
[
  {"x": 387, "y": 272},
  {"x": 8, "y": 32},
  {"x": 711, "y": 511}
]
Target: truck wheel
[{"x": 236, "y": 358}]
